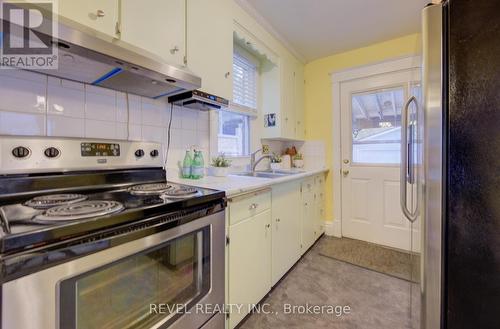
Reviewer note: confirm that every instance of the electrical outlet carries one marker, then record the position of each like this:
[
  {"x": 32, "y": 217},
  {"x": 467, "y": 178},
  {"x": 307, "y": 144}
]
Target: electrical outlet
[{"x": 265, "y": 149}]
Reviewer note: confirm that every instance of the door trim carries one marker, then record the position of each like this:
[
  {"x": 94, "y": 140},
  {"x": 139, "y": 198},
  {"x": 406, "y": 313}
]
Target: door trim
[{"x": 341, "y": 76}]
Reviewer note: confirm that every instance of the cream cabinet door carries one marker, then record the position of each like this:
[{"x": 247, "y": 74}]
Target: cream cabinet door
[
  {"x": 286, "y": 228},
  {"x": 210, "y": 45},
  {"x": 101, "y": 15},
  {"x": 157, "y": 26},
  {"x": 299, "y": 101},
  {"x": 249, "y": 263},
  {"x": 308, "y": 220},
  {"x": 287, "y": 111}
]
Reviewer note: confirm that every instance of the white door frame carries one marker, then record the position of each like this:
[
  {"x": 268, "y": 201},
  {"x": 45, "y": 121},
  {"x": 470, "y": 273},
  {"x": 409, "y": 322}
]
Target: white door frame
[{"x": 337, "y": 78}]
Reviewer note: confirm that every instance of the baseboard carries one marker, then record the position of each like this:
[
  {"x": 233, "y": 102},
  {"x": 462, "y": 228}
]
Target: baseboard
[{"x": 333, "y": 228}]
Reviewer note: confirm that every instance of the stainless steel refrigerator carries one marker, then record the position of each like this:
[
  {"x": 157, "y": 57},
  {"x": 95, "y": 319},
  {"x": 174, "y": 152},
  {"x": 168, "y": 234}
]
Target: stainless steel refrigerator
[{"x": 457, "y": 131}]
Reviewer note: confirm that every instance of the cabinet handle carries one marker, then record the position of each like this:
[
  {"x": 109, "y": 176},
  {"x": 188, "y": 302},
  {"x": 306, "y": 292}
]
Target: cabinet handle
[
  {"x": 100, "y": 13},
  {"x": 278, "y": 220},
  {"x": 253, "y": 206},
  {"x": 227, "y": 74},
  {"x": 174, "y": 50},
  {"x": 268, "y": 225}
]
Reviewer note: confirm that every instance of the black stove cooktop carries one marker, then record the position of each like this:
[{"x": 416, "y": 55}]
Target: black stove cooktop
[{"x": 42, "y": 217}]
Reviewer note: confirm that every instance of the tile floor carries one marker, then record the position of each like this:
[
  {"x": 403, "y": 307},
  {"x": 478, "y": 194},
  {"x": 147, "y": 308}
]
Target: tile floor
[{"x": 376, "y": 300}]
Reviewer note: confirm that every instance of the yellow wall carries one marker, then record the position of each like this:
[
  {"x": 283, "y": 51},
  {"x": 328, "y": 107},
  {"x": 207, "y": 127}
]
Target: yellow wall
[{"x": 318, "y": 90}]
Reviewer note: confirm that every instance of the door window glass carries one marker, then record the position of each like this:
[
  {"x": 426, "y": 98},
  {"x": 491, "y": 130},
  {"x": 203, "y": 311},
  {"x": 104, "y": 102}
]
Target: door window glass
[{"x": 376, "y": 126}]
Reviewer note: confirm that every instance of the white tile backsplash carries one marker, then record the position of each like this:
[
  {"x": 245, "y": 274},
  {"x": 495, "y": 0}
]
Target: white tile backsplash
[
  {"x": 135, "y": 132},
  {"x": 154, "y": 112},
  {"x": 66, "y": 101},
  {"x": 134, "y": 115},
  {"x": 314, "y": 151},
  {"x": 177, "y": 119},
  {"x": 122, "y": 131},
  {"x": 188, "y": 138},
  {"x": 18, "y": 123},
  {"x": 189, "y": 119},
  {"x": 100, "y": 106},
  {"x": 36, "y": 104},
  {"x": 153, "y": 134},
  {"x": 100, "y": 129},
  {"x": 22, "y": 92},
  {"x": 62, "y": 126}
]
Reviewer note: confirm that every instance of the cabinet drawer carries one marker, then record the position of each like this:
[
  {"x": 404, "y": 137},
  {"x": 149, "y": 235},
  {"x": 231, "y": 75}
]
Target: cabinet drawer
[
  {"x": 248, "y": 205},
  {"x": 308, "y": 185}
]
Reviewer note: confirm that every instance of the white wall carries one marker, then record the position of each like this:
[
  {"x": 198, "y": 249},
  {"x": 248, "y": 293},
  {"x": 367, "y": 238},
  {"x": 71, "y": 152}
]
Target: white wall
[{"x": 38, "y": 105}]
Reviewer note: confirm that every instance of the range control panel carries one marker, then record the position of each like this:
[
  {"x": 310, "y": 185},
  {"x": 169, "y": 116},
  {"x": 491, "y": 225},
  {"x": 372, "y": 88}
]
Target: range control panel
[
  {"x": 51, "y": 154},
  {"x": 100, "y": 149}
]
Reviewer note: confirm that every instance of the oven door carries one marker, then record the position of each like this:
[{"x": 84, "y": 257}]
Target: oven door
[{"x": 152, "y": 282}]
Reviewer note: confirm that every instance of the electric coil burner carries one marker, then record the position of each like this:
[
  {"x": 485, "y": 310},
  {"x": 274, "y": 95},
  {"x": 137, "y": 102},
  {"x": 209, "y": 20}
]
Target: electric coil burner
[
  {"x": 80, "y": 210},
  {"x": 52, "y": 200},
  {"x": 180, "y": 192},
  {"x": 149, "y": 189}
]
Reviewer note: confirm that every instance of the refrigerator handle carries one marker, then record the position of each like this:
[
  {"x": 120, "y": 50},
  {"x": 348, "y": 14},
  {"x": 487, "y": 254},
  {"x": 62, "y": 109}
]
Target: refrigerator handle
[{"x": 406, "y": 171}]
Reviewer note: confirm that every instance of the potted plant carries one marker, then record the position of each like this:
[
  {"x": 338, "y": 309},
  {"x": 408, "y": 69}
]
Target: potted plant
[
  {"x": 298, "y": 160},
  {"x": 276, "y": 161},
  {"x": 219, "y": 166}
]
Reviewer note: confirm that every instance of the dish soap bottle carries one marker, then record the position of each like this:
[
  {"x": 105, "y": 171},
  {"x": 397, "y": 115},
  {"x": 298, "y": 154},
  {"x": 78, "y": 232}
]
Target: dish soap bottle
[
  {"x": 198, "y": 165},
  {"x": 186, "y": 165}
]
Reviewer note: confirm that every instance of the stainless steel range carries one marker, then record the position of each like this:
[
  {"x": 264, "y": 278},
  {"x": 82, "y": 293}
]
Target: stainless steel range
[{"x": 93, "y": 236}]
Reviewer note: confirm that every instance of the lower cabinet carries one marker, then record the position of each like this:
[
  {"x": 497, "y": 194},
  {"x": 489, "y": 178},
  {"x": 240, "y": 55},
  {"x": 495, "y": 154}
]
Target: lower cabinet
[
  {"x": 286, "y": 228},
  {"x": 267, "y": 233},
  {"x": 249, "y": 258}
]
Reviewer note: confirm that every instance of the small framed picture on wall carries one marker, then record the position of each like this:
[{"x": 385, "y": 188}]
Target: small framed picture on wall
[{"x": 270, "y": 120}]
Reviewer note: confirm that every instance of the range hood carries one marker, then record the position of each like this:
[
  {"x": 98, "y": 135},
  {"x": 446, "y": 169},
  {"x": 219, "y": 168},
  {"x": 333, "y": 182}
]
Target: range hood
[
  {"x": 89, "y": 56},
  {"x": 199, "y": 100}
]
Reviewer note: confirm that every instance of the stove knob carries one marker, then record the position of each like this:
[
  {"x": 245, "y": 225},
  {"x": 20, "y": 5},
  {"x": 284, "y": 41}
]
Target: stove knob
[
  {"x": 51, "y": 152},
  {"x": 20, "y": 152},
  {"x": 154, "y": 153},
  {"x": 139, "y": 153}
]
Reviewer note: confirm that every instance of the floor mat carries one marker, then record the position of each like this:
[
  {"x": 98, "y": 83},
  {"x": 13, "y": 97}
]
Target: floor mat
[{"x": 377, "y": 258}]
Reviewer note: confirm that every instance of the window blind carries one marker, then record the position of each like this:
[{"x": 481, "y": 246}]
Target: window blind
[{"x": 244, "y": 82}]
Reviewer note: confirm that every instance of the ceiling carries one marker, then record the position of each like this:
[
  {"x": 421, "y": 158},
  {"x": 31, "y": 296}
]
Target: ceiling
[{"x": 318, "y": 28}]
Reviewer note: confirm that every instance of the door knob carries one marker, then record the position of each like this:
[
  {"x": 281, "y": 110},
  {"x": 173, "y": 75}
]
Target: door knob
[
  {"x": 346, "y": 161},
  {"x": 100, "y": 13},
  {"x": 345, "y": 173}
]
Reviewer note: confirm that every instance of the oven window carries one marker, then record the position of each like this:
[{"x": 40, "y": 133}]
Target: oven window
[{"x": 140, "y": 290}]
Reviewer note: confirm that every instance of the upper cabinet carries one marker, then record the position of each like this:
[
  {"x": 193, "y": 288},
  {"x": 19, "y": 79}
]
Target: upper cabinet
[
  {"x": 101, "y": 15},
  {"x": 210, "y": 45},
  {"x": 157, "y": 26},
  {"x": 289, "y": 111},
  {"x": 298, "y": 99}
]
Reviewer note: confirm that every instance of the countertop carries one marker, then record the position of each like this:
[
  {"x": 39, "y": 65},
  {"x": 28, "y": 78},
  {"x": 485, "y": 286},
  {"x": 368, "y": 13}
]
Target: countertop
[{"x": 234, "y": 185}]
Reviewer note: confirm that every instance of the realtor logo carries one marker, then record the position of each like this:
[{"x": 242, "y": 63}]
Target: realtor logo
[{"x": 27, "y": 32}]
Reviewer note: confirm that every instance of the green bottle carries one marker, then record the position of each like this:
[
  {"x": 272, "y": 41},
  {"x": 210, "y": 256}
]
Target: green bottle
[
  {"x": 198, "y": 165},
  {"x": 186, "y": 165}
]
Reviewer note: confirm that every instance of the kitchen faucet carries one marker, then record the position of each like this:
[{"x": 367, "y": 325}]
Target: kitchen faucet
[{"x": 254, "y": 163}]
